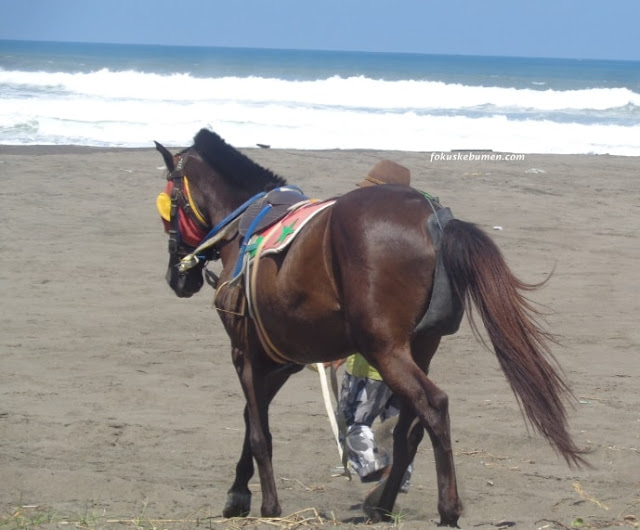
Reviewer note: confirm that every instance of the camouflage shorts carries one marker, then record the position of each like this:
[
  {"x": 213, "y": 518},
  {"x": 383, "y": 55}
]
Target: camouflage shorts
[{"x": 362, "y": 401}]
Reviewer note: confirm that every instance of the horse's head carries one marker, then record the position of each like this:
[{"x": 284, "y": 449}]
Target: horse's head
[
  {"x": 207, "y": 185},
  {"x": 183, "y": 221}
]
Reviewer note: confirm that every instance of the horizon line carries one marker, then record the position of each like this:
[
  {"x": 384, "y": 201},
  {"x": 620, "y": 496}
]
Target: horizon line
[{"x": 317, "y": 50}]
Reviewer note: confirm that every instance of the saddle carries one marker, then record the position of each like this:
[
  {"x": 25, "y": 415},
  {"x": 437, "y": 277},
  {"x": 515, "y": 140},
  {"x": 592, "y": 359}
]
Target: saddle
[
  {"x": 263, "y": 213},
  {"x": 269, "y": 209}
]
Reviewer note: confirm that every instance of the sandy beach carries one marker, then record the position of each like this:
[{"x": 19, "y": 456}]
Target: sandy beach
[{"x": 119, "y": 405}]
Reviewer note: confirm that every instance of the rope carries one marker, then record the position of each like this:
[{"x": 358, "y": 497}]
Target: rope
[{"x": 328, "y": 406}]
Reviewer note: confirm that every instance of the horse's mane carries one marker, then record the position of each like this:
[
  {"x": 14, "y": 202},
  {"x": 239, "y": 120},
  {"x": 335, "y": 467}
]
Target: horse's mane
[{"x": 236, "y": 168}]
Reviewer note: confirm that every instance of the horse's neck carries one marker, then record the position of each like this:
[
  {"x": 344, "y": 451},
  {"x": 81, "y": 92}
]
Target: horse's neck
[
  {"x": 229, "y": 253},
  {"x": 219, "y": 210}
]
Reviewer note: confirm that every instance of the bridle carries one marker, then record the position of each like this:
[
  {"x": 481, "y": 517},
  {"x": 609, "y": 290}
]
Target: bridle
[
  {"x": 201, "y": 243},
  {"x": 181, "y": 200},
  {"x": 183, "y": 208}
]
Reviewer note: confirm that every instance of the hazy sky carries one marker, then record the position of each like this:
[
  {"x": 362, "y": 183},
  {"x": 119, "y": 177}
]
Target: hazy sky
[{"x": 534, "y": 28}]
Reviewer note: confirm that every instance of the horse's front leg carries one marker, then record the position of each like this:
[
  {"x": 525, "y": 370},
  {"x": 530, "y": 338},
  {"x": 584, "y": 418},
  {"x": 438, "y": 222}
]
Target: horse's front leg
[
  {"x": 260, "y": 385},
  {"x": 239, "y": 495},
  {"x": 261, "y": 447}
]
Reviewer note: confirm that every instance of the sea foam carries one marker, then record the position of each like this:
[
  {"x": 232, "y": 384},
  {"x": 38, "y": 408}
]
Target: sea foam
[{"x": 131, "y": 108}]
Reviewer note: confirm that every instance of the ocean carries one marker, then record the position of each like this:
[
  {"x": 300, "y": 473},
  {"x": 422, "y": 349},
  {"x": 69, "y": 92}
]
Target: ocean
[{"x": 129, "y": 95}]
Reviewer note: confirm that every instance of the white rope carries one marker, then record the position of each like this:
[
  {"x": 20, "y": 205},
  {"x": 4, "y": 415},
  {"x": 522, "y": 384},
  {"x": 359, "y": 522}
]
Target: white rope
[
  {"x": 337, "y": 428},
  {"x": 328, "y": 405}
]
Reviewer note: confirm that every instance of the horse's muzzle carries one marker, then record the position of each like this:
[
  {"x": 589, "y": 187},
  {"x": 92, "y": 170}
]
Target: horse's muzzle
[{"x": 185, "y": 285}]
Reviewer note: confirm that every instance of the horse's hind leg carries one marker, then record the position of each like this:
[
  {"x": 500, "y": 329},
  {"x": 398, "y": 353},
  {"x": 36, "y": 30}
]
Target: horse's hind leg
[
  {"x": 407, "y": 435},
  {"x": 431, "y": 406},
  {"x": 438, "y": 427}
]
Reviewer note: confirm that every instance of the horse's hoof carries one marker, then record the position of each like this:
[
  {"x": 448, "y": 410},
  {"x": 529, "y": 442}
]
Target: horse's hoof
[
  {"x": 375, "y": 515},
  {"x": 371, "y": 504},
  {"x": 237, "y": 505},
  {"x": 450, "y": 521},
  {"x": 450, "y": 516},
  {"x": 271, "y": 511}
]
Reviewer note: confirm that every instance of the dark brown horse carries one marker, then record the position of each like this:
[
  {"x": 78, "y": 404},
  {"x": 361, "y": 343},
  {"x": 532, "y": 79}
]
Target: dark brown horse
[{"x": 360, "y": 277}]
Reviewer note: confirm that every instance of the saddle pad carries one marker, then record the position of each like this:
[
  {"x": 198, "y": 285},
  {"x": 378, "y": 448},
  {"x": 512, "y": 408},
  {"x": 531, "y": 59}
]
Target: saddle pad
[{"x": 278, "y": 237}]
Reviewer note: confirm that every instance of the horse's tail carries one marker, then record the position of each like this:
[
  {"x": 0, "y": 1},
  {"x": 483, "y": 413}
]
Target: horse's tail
[{"x": 478, "y": 273}]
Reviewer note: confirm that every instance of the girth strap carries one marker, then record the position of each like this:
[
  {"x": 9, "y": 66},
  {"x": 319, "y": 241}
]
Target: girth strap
[{"x": 252, "y": 275}]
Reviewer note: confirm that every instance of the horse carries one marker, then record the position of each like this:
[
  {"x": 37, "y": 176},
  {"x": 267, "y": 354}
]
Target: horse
[{"x": 360, "y": 276}]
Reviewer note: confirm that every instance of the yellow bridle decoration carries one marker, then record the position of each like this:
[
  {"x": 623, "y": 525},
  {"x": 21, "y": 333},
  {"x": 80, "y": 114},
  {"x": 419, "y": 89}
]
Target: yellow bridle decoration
[{"x": 163, "y": 203}]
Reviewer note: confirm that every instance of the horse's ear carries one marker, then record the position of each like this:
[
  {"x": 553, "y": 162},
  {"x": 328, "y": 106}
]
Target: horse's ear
[{"x": 166, "y": 155}]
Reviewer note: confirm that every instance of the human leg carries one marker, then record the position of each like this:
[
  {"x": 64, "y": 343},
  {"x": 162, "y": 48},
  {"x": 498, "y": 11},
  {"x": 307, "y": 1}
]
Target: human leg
[{"x": 361, "y": 400}]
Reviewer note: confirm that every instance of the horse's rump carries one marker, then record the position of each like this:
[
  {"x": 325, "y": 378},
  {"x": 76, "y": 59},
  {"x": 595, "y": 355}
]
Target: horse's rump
[{"x": 370, "y": 250}]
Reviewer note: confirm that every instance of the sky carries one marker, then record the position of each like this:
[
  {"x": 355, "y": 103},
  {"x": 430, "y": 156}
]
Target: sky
[{"x": 581, "y": 29}]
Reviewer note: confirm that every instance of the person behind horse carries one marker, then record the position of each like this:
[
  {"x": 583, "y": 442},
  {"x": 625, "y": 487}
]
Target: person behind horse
[{"x": 364, "y": 397}]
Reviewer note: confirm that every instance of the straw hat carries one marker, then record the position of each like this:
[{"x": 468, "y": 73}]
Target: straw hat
[{"x": 387, "y": 172}]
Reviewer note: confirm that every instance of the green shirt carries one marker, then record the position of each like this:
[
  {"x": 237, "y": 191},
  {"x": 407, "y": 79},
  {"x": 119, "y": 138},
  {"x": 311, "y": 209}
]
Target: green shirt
[{"x": 357, "y": 365}]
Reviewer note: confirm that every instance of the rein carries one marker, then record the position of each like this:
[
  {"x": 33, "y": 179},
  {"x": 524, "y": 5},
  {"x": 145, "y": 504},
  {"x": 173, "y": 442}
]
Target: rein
[{"x": 219, "y": 232}]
